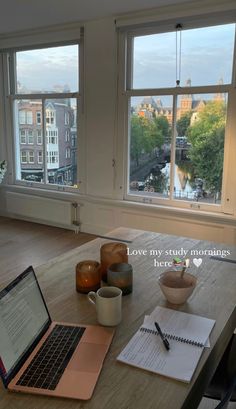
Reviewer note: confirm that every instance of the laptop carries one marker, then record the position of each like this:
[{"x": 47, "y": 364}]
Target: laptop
[{"x": 44, "y": 357}]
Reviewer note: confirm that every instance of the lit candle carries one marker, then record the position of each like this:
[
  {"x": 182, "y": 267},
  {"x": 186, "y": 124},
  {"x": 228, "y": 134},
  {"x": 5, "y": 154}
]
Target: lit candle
[{"x": 88, "y": 276}]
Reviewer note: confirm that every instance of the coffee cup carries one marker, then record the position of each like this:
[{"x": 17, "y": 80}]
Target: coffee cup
[{"x": 107, "y": 301}]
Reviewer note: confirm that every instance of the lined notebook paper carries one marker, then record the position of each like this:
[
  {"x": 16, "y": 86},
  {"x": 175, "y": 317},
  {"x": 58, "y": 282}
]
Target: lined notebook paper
[{"x": 187, "y": 334}]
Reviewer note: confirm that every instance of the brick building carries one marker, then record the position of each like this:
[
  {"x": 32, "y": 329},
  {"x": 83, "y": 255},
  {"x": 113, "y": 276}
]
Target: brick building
[{"x": 59, "y": 121}]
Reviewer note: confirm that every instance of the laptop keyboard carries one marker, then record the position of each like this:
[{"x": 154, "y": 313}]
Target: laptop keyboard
[{"x": 48, "y": 365}]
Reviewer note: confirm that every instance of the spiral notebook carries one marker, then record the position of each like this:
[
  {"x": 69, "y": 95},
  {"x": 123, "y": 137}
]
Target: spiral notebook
[{"x": 188, "y": 335}]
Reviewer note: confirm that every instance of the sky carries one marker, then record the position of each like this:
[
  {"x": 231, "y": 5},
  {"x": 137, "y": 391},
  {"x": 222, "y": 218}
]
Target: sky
[
  {"x": 206, "y": 57},
  {"x": 43, "y": 69}
]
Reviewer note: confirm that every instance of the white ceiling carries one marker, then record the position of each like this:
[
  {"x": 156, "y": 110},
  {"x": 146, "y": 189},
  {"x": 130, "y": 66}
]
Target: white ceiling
[{"x": 25, "y": 14}]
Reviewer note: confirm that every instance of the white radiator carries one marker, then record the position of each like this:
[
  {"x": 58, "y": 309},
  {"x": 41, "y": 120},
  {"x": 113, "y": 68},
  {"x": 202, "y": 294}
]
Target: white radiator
[{"x": 41, "y": 209}]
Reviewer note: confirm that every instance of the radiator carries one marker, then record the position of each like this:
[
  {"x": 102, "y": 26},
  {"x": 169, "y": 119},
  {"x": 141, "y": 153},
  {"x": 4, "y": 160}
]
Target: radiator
[{"x": 42, "y": 210}]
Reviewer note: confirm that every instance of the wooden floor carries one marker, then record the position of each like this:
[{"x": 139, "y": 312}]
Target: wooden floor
[{"x": 24, "y": 243}]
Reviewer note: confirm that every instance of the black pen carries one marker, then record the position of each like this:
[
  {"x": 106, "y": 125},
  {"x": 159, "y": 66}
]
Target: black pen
[{"x": 164, "y": 340}]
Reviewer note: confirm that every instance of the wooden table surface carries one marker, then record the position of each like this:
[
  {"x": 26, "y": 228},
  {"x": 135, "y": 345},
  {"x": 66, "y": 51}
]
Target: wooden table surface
[{"x": 121, "y": 386}]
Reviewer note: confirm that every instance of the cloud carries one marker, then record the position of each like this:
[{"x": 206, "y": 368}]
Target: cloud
[
  {"x": 40, "y": 70},
  {"x": 201, "y": 57}
]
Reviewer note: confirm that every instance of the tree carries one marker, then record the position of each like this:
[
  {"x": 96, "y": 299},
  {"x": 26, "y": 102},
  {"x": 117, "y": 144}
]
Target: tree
[
  {"x": 164, "y": 130},
  {"x": 206, "y": 136},
  {"x": 142, "y": 140},
  {"x": 183, "y": 124}
]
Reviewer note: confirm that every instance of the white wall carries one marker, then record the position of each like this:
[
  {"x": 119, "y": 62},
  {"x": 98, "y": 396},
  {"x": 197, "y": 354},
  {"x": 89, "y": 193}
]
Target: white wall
[
  {"x": 101, "y": 208},
  {"x": 100, "y": 105}
]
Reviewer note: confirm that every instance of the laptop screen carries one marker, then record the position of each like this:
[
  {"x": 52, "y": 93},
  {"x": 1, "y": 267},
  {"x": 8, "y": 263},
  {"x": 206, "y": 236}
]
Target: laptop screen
[{"x": 23, "y": 316}]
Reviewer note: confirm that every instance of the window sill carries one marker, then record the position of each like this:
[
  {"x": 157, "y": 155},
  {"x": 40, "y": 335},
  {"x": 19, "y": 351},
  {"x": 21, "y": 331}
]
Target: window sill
[{"x": 154, "y": 209}]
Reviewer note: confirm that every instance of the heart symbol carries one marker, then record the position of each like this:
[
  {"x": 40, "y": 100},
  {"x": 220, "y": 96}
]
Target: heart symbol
[{"x": 197, "y": 261}]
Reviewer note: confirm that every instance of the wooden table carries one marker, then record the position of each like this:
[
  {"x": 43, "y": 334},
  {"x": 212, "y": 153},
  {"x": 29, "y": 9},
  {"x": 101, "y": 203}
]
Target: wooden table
[{"x": 121, "y": 386}]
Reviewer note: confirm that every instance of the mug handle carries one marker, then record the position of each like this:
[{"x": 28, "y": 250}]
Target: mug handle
[{"x": 92, "y": 297}]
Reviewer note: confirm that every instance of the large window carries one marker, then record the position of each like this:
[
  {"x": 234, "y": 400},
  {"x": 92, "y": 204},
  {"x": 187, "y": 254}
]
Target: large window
[
  {"x": 44, "y": 86},
  {"x": 179, "y": 85}
]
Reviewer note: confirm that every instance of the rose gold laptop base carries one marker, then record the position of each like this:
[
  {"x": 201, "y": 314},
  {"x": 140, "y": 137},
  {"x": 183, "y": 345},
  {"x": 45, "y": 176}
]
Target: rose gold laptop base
[{"x": 81, "y": 374}]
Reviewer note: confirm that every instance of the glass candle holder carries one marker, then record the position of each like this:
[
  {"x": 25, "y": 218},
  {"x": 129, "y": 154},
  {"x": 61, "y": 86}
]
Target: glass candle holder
[
  {"x": 121, "y": 275},
  {"x": 88, "y": 276},
  {"x": 112, "y": 252}
]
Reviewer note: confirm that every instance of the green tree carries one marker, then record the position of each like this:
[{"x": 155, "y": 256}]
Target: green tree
[
  {"x": 206, "y": 136},
  {"x": 142, "y": 137},
  {"x": 183, "y": 124},
  {"x": 163, "y": 130}
]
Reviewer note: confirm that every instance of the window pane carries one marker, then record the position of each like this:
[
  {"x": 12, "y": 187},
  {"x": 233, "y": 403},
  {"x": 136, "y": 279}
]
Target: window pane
[
  {"x": 202, "y": 49},
  {"x": 53, "y": 69},
  {"x": 200, "y": 147},
  {"x": 61, "y": 150},
  {"x": 27, "y": 130},
  {"x": 150, "y": 136},
  {"x": 207, "y": 55},
  {"x": 154, "y": 61}
]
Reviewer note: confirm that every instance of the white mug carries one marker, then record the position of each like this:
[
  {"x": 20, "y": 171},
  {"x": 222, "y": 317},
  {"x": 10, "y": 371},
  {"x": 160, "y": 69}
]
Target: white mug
[{"x": 108, "y": 305}]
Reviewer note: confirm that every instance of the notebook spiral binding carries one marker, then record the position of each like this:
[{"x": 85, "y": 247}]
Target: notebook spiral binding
[{"x": 171, "y": 336}]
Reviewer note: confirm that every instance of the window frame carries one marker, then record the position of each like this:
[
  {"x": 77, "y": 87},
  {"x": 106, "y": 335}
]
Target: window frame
[
  {"x": 9, "y": 66},
  {"x": 30, "y": 137},
  {"x": 26, "y": 157},
  {"x": 40, "y": 157},
  {"x": 31, "y": 155},
  {"x": 23, "y": 136},
  {"x": 126, "y": 92}
]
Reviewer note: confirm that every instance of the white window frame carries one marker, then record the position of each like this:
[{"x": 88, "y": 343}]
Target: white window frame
[
  {"x": 39, "y": 137},
  {"x": 11, "y": 96},
  {"x": 50, "y": 116},
  {"x": 40, "y": 157},
  {"x": 29, "y": 117},
  {"x": 68, "y": 153},
  {"x": 31, "y": 157},
  {"x": 22, "y": 137},
  {"x": 67, "y": 118},
  {"x": 30, "y": 137},
  {"x": 26, "y": 157},
  {"x": 126, "y": 92},
  {"x": 22, "y": 117},
  {"x": 67, "y": 135}
]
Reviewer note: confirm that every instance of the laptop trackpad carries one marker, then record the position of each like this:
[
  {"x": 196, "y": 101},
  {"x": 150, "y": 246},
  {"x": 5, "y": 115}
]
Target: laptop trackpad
[{"x": 88, "y": 357}]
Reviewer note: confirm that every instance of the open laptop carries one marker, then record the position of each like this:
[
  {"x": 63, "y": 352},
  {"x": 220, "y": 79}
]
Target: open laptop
[{"x": 44, "y": 357}]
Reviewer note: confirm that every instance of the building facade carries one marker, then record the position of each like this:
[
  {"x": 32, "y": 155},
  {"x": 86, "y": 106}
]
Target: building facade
[{"x": 60, "y": 136}]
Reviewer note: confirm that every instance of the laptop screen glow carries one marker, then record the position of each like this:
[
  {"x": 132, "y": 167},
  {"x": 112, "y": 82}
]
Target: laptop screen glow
[{"x": 23, "y": 315}]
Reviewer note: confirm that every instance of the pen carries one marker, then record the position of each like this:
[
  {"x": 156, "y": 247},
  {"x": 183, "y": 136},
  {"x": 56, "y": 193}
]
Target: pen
[
  {"x": 163, "y": 338},
  {"x": 228, "y": 260}
]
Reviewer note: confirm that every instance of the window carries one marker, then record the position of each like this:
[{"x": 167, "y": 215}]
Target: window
[
  {"x": 67, "y": 135},
  {"x": 52, "y": 157},
  {"x": 50, "y": 116},
  {"x": 177, "y": 110},
  {"x": 22, "y": 136},
  {"x": 31, "y": 156},
  {"x": 53, "y": 87},
  {"x": 38, "y": 118},
  {"x": 30, "y": 137},
  {"x": 23, "y": 157},
  {"x": 40, "y": 157},
  {"x": 67, "y": 118},
  {"x": 39, "y": 137},
  {"x": 67, "y": 153},
  {"x": 29, "y": 117},
  {"x": 22, "y": 117}
]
